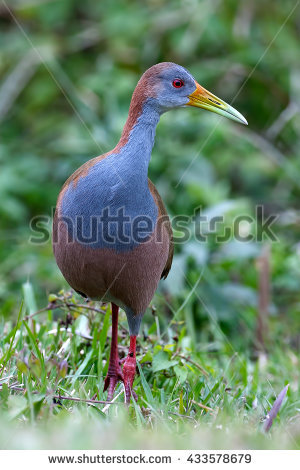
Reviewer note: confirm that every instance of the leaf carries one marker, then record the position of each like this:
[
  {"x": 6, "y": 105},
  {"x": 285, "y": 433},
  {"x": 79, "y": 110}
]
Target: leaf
[
  {"x": 37, "y": 352},
  {"x": 7, "y": 356},
  {"x": 4, "y": 393},
  {"x": 275, "y": 409},
  {"x": 147, "y": 358},
  {"x": 181, "y": 373},
  {"x": 29, "y": 298},
  {"x": 161, "y": 362},
  {"x": 105, "y": 326},
  {"x": 169, "y": 347},
  {"x": 140, "y": 420},
  {"x": 82, "y": 366},
  {"x": 181, "y": 405},
  {"x": 146, "y": 387}
]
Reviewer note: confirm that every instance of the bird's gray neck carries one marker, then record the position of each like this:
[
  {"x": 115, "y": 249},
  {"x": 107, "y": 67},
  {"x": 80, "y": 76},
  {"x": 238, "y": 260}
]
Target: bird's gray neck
[{"x": 136, "y": 152}]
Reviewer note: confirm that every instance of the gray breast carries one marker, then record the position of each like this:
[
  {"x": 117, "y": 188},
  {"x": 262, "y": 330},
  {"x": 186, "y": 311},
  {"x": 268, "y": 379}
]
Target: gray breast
[{"x": 109, "y": 209}]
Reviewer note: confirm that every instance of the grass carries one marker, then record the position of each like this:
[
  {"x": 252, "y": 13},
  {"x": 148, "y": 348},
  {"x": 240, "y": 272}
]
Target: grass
[{"x": 204, "y": 396}]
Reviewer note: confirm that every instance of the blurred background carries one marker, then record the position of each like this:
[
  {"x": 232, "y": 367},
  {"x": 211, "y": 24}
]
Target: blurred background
[{"x": 68, "y": 69}]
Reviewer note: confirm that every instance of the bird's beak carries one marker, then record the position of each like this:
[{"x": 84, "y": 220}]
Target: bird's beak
[{"x": 202, "y": 98}]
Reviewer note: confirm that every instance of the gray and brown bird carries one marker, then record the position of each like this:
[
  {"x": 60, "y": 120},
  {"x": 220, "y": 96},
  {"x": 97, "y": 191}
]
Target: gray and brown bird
[{"x": 112, "y": 236}]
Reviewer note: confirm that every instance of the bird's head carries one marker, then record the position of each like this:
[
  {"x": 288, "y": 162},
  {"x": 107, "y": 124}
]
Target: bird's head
[{"x": 169, "y": 86}]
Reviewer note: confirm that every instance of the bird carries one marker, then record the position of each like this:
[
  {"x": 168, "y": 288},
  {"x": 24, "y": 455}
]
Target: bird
[{"x": 112, "y": 237}]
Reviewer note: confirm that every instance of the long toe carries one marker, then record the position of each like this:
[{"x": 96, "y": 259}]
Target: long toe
[
  {"x": 128, "y": 374},
  {"x": 129, "y": 391},
  {"x": 110, "y": 383}
]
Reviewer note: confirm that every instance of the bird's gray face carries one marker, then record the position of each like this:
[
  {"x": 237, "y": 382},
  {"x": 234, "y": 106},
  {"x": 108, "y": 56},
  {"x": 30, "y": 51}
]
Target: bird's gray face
[{"x": 175, "y": 87}]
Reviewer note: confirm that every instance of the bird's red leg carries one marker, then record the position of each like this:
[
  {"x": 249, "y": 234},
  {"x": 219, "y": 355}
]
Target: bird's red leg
[
  {"x": 114, "y": 373},
  {"x": 129, "y": 369}
]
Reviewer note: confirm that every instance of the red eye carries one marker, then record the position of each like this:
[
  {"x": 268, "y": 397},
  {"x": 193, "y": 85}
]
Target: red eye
[{"x": 178, "y": 83}]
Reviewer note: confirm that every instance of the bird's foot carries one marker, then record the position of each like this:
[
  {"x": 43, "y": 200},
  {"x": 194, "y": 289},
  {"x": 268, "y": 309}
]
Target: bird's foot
[
  {"x": 128, "y": 377},
  {"x": 114, "y": 375}
]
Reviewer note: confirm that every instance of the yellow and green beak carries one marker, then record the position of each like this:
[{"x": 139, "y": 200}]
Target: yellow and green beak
[{"x": 202, "y": 98}]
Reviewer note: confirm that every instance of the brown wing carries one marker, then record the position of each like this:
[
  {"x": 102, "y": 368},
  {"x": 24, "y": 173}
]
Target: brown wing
[{"x": 166, "y": 221}]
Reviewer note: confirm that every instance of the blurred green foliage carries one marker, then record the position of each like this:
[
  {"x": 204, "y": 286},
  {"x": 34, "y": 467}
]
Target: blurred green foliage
[{"x": 68, "y": 69}]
